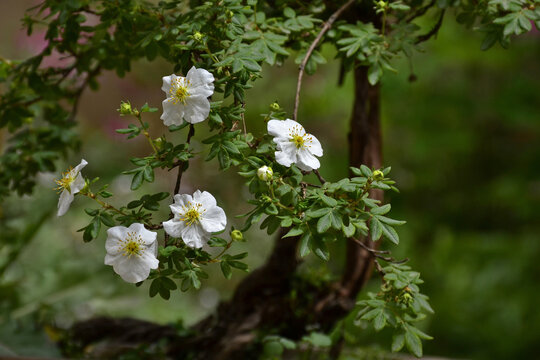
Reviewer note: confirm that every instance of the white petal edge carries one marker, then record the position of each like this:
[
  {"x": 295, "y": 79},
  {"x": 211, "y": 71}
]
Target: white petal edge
[
  {"x": 172, "y": 113},
  {"x": 197, "y": 109},
  {"x": 65, "y": 200},
  {"x": 214, "y": 220}
]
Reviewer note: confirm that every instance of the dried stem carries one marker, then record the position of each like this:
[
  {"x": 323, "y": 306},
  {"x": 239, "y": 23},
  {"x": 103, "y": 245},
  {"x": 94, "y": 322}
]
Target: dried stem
[{"x": 327, "y": 25}]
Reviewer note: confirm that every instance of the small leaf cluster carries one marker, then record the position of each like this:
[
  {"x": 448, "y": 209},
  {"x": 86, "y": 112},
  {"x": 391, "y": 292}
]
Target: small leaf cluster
[{"x": 400, "y": 305}]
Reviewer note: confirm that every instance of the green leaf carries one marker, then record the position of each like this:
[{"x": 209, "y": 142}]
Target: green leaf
[
  {"x": 324, "y": 223},
  {"x": 389, "y": 233},
  {"x": 226, "y": 269},
  {"x": 137, "y": 180},
  {"x": 318, "y": 339},
  {"x": 379, "y": 322},
  {"x": 398, "y": 341},
  {"x": 375, "y": 229},
  {"x": 288, "y": 12},
  {"x": 413, "y": 343},
  {"x": 381, "y": 210},
  {"x": 348, "y": 230},
  {"x": 154, "y": 287},
  {"x": 148, "y": 173},
  {"x": 304, "y": 245},
  {"x": 293, "y": 232}
]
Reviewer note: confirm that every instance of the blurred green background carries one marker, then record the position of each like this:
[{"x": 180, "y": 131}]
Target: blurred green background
[{"x": 463, "y": 144}]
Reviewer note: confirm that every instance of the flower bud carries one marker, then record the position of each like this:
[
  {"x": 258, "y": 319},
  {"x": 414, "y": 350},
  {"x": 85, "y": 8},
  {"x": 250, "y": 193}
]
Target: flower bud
[
  {"x": 237, "y": 235},
  {"x": 378, "y": 175},
  {"x": 198, "y": 36},
  {"x": 274, "y": 106},
  {"x": 125, "y": 108},
  {"x": 265, "y": 173},
  {"x": 266, "y": 199},
  {"x": 382, "y": 4}
]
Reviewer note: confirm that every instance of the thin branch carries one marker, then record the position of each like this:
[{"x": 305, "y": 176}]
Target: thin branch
[
  {"x": 377, "y": 254},
  {"x": 321, "y": 179},
  {"x": 182, "y": 164},
  {"x": 433, "y": 31},
  {"x": 181, "y": 169},
  {"x": 421, "y": 11},
  {"x": 327, "y": 25}
]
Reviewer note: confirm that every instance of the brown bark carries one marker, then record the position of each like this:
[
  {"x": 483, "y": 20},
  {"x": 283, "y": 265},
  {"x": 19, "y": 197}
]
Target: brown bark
[{"x": 365, "y": 147}]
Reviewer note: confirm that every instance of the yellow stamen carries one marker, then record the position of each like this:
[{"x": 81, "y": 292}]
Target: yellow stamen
[
  {"x": 179, "y": 91},
  {"x": 300, "y": 141},
  {"x": 192, "y": 213},
  {"x": 65, "y": 182},
  {"x": 132, "y": 245}
]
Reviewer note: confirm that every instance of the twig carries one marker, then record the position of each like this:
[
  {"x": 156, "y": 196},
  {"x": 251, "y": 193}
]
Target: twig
[
  {"x": 181, "y": 169},
  {"x": 421, "y": 11},
  {"x": 377, "y": 254},
  {"x": 433, "y": 31},
  {"x": 321, "y": 179},
  {"x": 327, "y": 25},
  {"x": 182, "y": 164}
]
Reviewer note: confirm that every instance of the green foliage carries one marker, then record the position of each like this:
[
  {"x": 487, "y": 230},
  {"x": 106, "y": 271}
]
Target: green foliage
[
  {"x": 233, "y": 41},
  {"x": 398, "y": 304}
]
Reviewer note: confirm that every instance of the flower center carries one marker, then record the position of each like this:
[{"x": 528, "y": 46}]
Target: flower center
[
  {"x": 65, "y": 182},
  {"x": 193, "y": 214},
  {"x": 132, "y": 245},
  {"x": 298, "y": 141},
  {"x": 179, "y": 90}
]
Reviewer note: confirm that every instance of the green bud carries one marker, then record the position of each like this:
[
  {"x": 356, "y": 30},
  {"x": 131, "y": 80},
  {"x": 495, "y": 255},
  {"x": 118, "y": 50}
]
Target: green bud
[
  {"x": 158, "y": 142},
  {"x": 265, "y": 173},
  {"x": 382, "y": 4},
  {"x": 230, "y": 14},
  {"x": 266, "y": 199},
  {"x": 275, "y": 106},
  {"x": 198, "y": 36},
  {"x": 237, "y": 235},
  {"x": 125, "y": 108},
  {"x": 378, "y": 175}
]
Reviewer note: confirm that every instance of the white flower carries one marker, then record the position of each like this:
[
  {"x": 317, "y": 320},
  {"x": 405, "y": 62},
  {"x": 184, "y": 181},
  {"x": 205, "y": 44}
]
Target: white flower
[
  {"x": 265, "y": 173},
  {"x": 187, "y": 97},
  {"x": 131, "y": 251},
  {"x": 294, "y": 145},
  {"x": 195, "y": 218},
  {"x": 71, "y": 183}
]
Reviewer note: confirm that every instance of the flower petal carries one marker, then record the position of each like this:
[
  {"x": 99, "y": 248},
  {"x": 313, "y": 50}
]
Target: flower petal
[
  {"x": 206, "y": 199},
  {"x": 315, "y": 146},
  {"x": 114, "y": 236},
  {"x": 167, "y": 80},
  {"x": 200, "y": 78},
  {"x": 80, "y": 166},
  {"x": 174, "y": 227},
  {"x": 66, "y": 198},
  {"x": 306, "y": 160},
  {"x": 282, "y": 128},
  {"x": 197, "y": 109},
  {"x": 214, "y": 219},
  {"x": 132, "y": 269},
  {"x": 148, "y": 237},
  {"x": 287, "y": 155},
  {"x": 172, "y": 113},
  {"x": 194, "y": 236},
  {"x": 77, "y": 184},
  {"x": 183, "y": 199}
]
